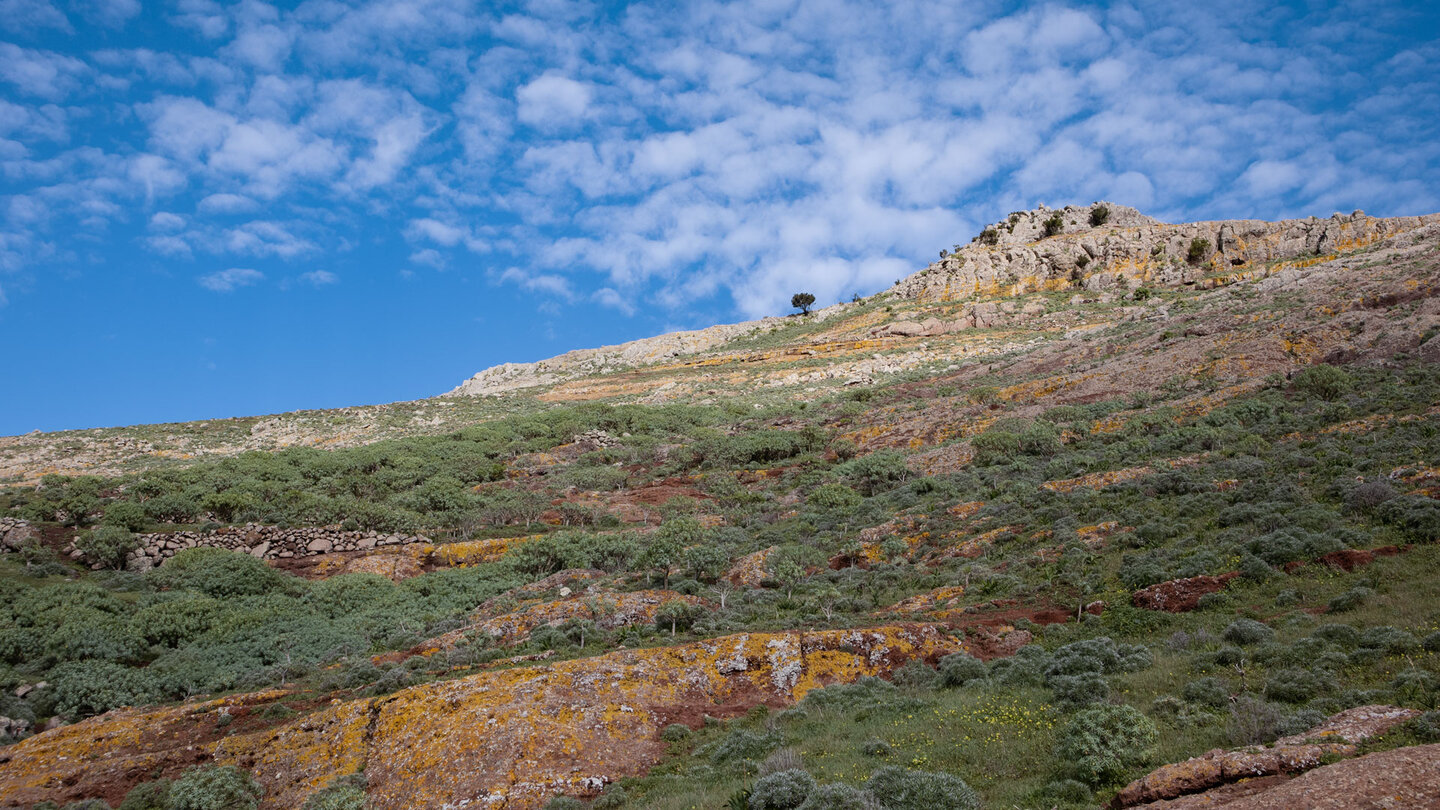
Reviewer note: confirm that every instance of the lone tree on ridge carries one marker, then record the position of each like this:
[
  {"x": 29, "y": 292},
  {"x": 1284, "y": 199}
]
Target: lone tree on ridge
[{"x": 802, "y": 302}]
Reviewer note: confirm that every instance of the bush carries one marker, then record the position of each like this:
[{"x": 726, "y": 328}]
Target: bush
[
  {"x": 85, "y": 688},
  {"x": 1198, "y": 250},
  {"x": 959, "y": 669},
  {"x": 107, "y": 545},
  {"x": 782, "y": 790},
  {"x": 217, "y": 572},
  {"x": 915, "y": 675},
  {"x": 740, "y": 745},
  {"x": 343, "y": 793},
  {"x": 1099, "y": 215},
  {"x": 1341, "y": 635},
  {"x": 564, "y": 803},
  {"x": 1387, "y": 639},
  {"x": 1427, "y": 726},
  {"x": 1324, "y": 382},
  {"x": 1103, "y": 742},
  {"x": 1349, "y": 600},
  {"x": 899, "y": 789},
  {"x": 1211, "y": 692},
  {"x": 1253, "y": 721},
  {"x": 126, "y": 515},
  {"x": 614, "y": 796},
  {"x": 1247, "y": 631},
  {"x": 838, "y": 797},
  {"x": 215, "y": 787},
  {"x": 675, "y": 732},
  {"x": 1295, "y": 685},
  {"x": 1055, "y": 224}
]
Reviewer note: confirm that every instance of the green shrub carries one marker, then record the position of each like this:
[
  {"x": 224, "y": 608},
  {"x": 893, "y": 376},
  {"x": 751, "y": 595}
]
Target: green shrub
[
  {"x": 1427, "y": 726},
  {"x": 1103, "y": 742},
  {"x": 126, "y": 515},
  {"x": 564, "y": 803},
  {"x": 675, "y": 732},
  {"x": 838, "y": 797},
  {"x": 1388, "y": 639},
  {"x": 782, "y": 790},
  {"x": 1342, "y": 635},
  {"x": 1295, "y": 685},
  {"x": 107, "y": 545},
  {"x": 959, "y": 669},
  {"x": 1055, "y": 224},
  {"x": 898, "y": 789},
  {"x": 342, "y": 793},
  {"x": 1211, "y": 692},
  {"x": 215, "y": 787},
  {"x": 1324, "y": 382},
  {"x": 1349, "y": 600},
  {"x": 1197, "y": 251},
  {"x": 915, "y": 675},
  {"x": 741, "y": 745},
  {"x": 1099, "y": 215},
  {"x": 217, "y": 572},
  {"x": 85, "y": 688},
  {"x": 1247, "y": 631}
]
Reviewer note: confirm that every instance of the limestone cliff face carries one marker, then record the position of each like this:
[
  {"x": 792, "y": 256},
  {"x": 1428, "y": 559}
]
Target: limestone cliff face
[{"x": 1014, "y": 257}]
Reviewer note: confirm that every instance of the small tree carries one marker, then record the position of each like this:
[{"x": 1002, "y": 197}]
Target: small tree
[
  {"x": 1055, "y": 224},
  {"x": 1099, "y": 215},
  {"x": 802, "y": 302}
]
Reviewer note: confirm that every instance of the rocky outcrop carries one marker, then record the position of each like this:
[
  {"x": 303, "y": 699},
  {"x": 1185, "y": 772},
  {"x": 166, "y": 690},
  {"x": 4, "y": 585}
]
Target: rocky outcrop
[
  {"x": 1337, "y": 736},
  {"x": 608, "y": 611},
  {"x": 509, "y": 738},
  {"x": 643, "y": 352},
  {"x": 1131, "y": 248},
  {"x": 1180, "y": 595},
  {"x": 14, "y": 532},
  {"x": 1401, "y": 778},
  {"x": 265, "y": 542}
]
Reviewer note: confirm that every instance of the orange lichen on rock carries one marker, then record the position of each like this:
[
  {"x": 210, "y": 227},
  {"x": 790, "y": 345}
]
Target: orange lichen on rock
[
  {"x": 526, "y": 734},
  {"x": 95, "y": 756},
  {"x": 749, "y": 571},
  {"x": 607, "y": 610},
  {"x": 514, "y": 737},
  {"x": 471, "y": 552},
  {"x": 944, "y": 597}
]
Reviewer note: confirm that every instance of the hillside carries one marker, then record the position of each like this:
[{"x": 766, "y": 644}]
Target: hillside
[{"x": 1088, "y": 495}]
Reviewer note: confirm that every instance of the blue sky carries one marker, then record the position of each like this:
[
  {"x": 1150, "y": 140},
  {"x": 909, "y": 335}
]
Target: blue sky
[{"x": 216, "y": 209}]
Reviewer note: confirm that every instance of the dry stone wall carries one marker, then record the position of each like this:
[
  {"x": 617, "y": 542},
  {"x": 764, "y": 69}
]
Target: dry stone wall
[{"x": 264, "y": 542}]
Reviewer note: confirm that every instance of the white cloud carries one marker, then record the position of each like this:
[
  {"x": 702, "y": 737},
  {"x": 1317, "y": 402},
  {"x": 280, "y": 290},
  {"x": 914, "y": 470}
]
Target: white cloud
[
  {"x": 607, "y": 297},
  {"x": 40, "y": 73},
  {"x": 228, "y": 280},
  {"x": 319, "y": 278},
  {"x": 166, "y": 221},
  {"x": 552, "y": 101},
  {"x": 547, "y": 283},
  {"x": 430, "y": 257},
  {"x": 223, "y": 203},
  {"x": 109, "y": 13},
  {"x": 25, "y": 16}
]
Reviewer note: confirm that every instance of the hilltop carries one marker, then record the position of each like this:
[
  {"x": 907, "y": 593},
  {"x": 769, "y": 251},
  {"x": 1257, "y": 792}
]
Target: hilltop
[{"x": 1088, "y": 495}]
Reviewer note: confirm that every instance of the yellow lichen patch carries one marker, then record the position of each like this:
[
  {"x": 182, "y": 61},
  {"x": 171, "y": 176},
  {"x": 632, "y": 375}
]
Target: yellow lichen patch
[
  {"x": 607, "y": 610},
  {"x": 1098, "y": 480},
  {"x": 523, "y": 735},
  {"x": 965, "y": 510},
  {"x": 749, "y": 571},
  {"x": 471, "y": 552},
  {"x": 944, "y": 597},
  {"x": 79, "y": 760}
]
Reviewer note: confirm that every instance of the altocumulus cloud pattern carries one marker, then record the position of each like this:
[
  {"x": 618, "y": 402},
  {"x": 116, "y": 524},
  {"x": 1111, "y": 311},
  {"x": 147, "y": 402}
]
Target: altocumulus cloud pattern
[{"x": 680, "y": 156}]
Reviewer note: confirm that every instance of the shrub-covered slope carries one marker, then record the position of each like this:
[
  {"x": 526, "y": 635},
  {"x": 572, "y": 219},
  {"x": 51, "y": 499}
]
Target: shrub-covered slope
[{"x": 1086, "y": 531}]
